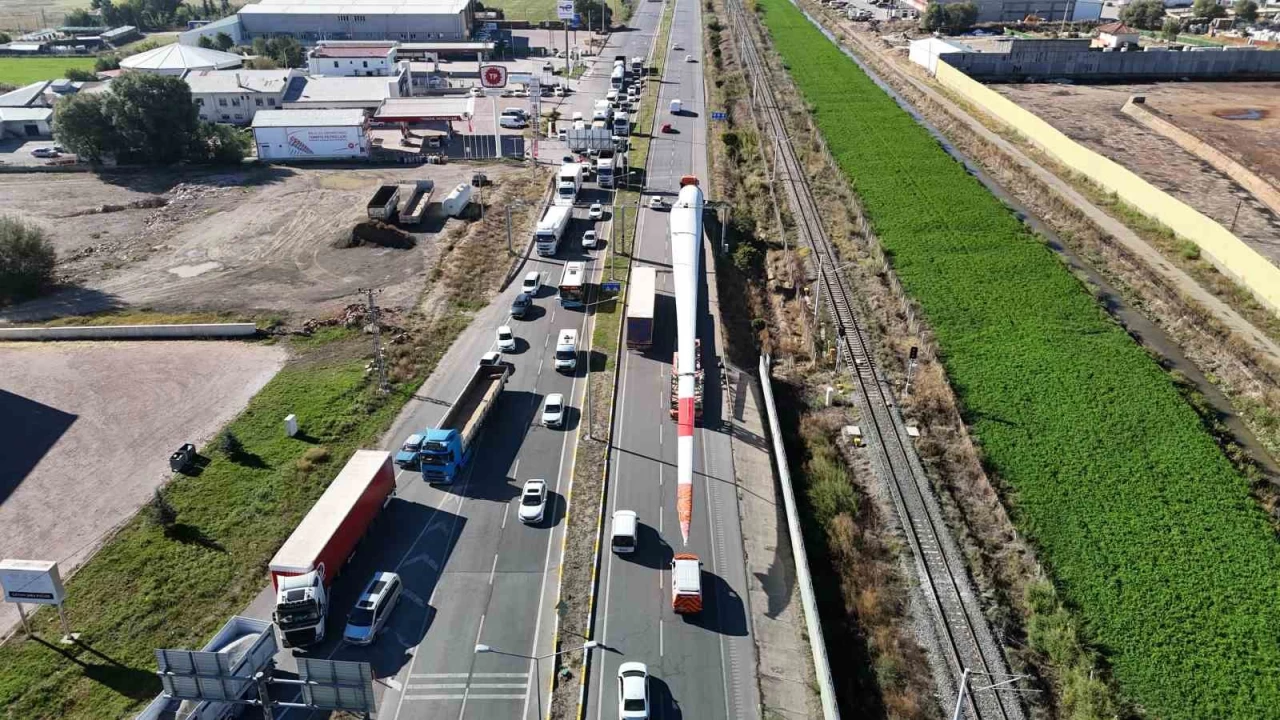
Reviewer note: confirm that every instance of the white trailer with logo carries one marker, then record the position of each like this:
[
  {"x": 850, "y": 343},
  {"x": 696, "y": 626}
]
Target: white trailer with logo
[{"x": 291, "y": 135}]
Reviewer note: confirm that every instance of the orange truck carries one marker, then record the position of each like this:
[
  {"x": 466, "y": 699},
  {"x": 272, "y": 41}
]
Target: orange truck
[{"x": 686, "y": 584}]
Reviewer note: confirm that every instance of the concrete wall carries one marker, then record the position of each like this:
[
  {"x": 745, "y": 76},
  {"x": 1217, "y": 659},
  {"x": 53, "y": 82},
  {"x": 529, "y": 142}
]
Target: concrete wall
[
  {"x": 1227, "y": 252},
  {"x": 1035, "y": 59},
  {"x": 1047, "y": 10},
  {"x": 310, "y": 28},
  {"x": 130, "y": 332}
]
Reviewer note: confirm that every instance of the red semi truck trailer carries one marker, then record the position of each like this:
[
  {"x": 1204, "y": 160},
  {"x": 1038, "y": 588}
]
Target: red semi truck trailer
[{"x": 305, "y": 566}]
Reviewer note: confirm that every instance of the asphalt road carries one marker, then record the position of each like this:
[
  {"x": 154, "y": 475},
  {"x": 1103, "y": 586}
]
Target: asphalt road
[
  {"x": 472, "y": 572},
  {"x": 701, "y": 666}
]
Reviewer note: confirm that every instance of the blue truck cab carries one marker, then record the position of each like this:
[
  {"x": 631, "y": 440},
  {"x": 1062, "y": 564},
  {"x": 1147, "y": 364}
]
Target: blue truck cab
[{"x": 408, "y": 455}]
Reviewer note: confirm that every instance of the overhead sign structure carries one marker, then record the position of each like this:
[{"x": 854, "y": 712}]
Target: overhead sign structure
[
  {"x": 337, "y": 684},
  {"x": 564, "y": 9},
  {"x": 31, "y": 581},
  {"x": 493, "y": 76}
]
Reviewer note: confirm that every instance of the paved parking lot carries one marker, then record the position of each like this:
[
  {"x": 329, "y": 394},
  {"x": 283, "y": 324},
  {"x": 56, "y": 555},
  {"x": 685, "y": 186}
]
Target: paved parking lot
[{"x": 18, "y": 151}]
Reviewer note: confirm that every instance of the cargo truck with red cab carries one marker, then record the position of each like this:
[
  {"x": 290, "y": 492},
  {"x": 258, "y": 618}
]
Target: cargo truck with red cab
[{"x": 304, "y": 568}]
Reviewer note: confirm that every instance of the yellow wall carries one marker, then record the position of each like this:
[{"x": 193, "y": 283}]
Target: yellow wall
[{"x": 1219, "y": 246}]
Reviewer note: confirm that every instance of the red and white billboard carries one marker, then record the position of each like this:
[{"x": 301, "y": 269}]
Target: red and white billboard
[{"x": 493, "y": 76}]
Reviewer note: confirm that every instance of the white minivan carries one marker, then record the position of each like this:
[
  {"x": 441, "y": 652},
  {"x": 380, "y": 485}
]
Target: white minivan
[
  {"x": 625, "y": 525},
  {"x": 675, "y": 107}
]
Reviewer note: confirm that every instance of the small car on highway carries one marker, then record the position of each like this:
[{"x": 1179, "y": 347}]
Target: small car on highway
[
  {"x": 633, "y": 691},
  {"x": 666, "y": 128},
  {"x": 688, "y": 58},
  {"x": 553, "y": 410},
  {"x": 657, "y": 203},
  {"x": 596, "y": 212},
  {"x": 373, "y": 608},
  {"x": 533, "y": 501},
  {"x": 532, "y": 282},
  {"x": 506, "y": 339},
  {"x": 408, "y": 453},
  {"x": 520, "y": 306},
  {"x": 589, "y": 240}
]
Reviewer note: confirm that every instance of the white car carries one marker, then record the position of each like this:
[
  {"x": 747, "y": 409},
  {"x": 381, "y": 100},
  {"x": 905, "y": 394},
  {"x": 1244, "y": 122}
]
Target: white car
[
  {"x": 633, "y": 691},
  {"x": 558, "y": 91},
  {"x": 375, "y": 605},
  {"x": 532, "y": 283},
  {"x": 676, "y": 47},
  {"x": 596, "y": 212},
  {"x": 553, "y": 410},
  {"x": 546, "y": 67},
  {"x": 476, "y": 92},
  {"x": 506, "y": 339},
  {"x": 657, "y": 203},
  {"x": 688, "y": 58},
  {"x": 45, "y": 152},
  {"x": 491, "y": 358},
  {"x": 533, "y": 501},
  {"x": 589, "y": 239}
]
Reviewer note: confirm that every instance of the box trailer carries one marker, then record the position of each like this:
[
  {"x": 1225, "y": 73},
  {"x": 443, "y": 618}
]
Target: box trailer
[
  {"x": 304, "y": 568},
  {"x": 640, "y": 299}
]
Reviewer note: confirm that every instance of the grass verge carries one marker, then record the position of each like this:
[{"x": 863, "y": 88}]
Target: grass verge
[
  {"x": 1131, "y": 502},
  {"x": 24, "y": 71}
]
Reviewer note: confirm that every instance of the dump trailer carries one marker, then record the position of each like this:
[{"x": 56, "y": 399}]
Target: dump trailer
[
  {"x": 249, "y": 646},
  {"x": 418, "y": 200},
  {"x": 698, "y": 376},
  {"x": 304, "y": 568},
  {"x": 383, "y": 204},
  {"x": 449, "y": 445},
  {"x": 640, "y": 296}
]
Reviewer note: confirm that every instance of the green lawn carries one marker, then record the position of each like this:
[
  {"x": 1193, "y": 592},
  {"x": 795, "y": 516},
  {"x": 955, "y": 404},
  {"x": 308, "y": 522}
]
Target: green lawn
[
  {"x": 1149, "y": 531},
  {"x": 146, "y": 589},
  {"x": 23, "y": 71}
]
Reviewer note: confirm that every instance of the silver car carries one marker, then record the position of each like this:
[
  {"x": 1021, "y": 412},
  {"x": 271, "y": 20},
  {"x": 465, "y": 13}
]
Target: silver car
[{"x": 375, "y": 605}]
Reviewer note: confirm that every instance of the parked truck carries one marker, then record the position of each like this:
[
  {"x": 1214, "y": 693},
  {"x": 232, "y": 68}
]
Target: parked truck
[
  {"x": 551, "y": 229},
  {"x": 383, "y": 204},
  {"x": 618, "y": 78},
  {"x": 448, "y": 446},
  {"x": 698, "y": 376},
  {"x": 304, "y": 568},
  {"x": 637, "y": 66},
  {"x": 640, "y": 296},
  {"x": 568, "y": 183},
  {"x": 250, "y": 646},
  {"x": 607, "y": 168},
  {"x": 419, "y": 198}
]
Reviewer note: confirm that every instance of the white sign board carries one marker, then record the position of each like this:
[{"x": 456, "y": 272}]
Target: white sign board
[
  {"x": 564, "y": 9},
  {"x": 323, "y": 141},
  {"x": 31, "y": 581}
]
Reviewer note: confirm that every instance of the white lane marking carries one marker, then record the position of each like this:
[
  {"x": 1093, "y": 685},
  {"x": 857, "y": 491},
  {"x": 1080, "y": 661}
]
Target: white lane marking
[
  {"x": 505, "y": 512},
  {"x": 659, "y": 519},
  {"x": 413, "y": 597},
  {"x": 474, "y": 675},
  {"x": 540, "y": 366},
  {"x": 463, "y": 686},
  {"x": 660, "y": 633},
  {"x": 494, "y": 569},
  {"x": 463, "y": 697}
]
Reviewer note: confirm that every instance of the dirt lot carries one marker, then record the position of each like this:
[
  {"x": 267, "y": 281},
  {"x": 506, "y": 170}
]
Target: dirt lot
[
  {"x": 261, "y": 239},
  {"x": 82, "y": 462},
  {"x": 1091, "y": 116}
]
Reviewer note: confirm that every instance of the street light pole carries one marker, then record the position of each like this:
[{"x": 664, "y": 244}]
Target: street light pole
[{"x": 537, "y": 662}]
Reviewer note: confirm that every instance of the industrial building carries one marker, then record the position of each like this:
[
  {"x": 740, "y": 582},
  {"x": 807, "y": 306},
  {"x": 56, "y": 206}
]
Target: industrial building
[
  {"x": 311, "y": 134},
  {"x": 235, "y": 96},
  {"x": 1018, "y": 10},
  {"x": 352, "y": 58},
  {"x": 311, "y": 21}
]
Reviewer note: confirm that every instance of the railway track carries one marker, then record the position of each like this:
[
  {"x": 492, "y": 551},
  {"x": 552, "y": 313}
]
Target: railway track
[{"x": 964, "y": 635}]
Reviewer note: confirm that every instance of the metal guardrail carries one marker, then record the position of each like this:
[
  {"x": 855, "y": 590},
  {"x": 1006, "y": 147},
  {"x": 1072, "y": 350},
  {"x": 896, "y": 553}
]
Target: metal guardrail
[{"x": 821, "y": 667}]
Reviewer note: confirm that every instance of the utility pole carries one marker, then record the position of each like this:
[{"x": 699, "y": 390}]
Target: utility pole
[
  {"x": 510, "y": 249},
  {"x": 379, "y": 360}
]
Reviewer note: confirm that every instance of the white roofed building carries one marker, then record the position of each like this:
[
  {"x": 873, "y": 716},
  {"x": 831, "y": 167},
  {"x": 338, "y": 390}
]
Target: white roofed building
[
  {"x": 180, "y": 59},
  {"x": 311, "y": 21},
  {"x": 235, "y": 96}
]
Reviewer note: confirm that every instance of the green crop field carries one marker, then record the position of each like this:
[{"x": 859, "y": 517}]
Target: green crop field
[
  {"x": 1148, "y": 529},
  {"x": 23, "y": 71}
]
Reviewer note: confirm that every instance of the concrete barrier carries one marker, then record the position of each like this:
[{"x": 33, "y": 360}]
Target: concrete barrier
[
  {"x": 131, "y": 332},
  {"x": 1226, "y": 251}
]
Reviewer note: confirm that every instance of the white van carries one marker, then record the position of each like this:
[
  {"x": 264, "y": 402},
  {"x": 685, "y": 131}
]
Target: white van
[
  {"x": 675, "y": 107},
  {"x": 577, "y": 116},
  {"x": 567, "y": 351},
  {"x": 511, "y": 122},
  {"x": 625, "y": 524}
]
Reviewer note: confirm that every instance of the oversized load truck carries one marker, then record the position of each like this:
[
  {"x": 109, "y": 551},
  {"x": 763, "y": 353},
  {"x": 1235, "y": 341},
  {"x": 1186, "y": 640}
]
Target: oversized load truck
[
  {"x": 250, "y": 648},
  {"x": 448, "y": 447},
  {"x": 304, "y": 568},
  {"x": 698, "y": 376}
]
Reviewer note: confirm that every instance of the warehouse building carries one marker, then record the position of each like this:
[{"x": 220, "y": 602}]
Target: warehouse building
[
  {"x": 282, "y": 135},
  {"x": 353, "y": 58},
  {"x": 310, "y": 21},
  {"x": 1019, "y": 10},
  {"x": 235, "y": 96}
]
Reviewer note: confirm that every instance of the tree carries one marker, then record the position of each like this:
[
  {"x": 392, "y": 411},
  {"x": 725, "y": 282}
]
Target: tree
[
  {"x": 106, "y": 62},
  {"x": 1245, "y": 10},
  {"x": 80, "y": 18},
  {"x": 205, "y": 42},
  {"x": 162, "y": 512},
  {"x": 286, "y": 51},
  {"x": 934, "y": 18},
  {"x": 223, "y": 41},
  {"x": 591, "y": 11},
  {"x": 961, "y": 16},
  {"x": 27, "y": 259},
  {"x": 1208, "y": 9},
  {"x": 261, "y": 63},
  {"x": 78, "y": 75},
  {"x": 80, "y": 125},
  {"x": 1169, "y": 31},
  {"x": 5, "y": 38},
  {"x": 1143, "y": 14},
  {"x": 153, "y": 118},
  {"x": 221, "y": 144}
]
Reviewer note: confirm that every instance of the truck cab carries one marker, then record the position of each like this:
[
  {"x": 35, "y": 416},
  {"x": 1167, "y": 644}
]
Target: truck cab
[
  {"x": 441, "y": 455},
  {"x": 301, "y": 607},
  {"x": 567, "y": 351}
]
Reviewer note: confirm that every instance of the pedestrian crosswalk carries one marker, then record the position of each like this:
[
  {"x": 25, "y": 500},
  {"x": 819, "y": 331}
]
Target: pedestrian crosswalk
[{"x": 467, "y": 686}]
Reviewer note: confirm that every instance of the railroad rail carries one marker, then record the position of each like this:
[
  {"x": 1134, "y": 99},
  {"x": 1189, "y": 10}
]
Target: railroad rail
[{"x": 964, "y": 635}]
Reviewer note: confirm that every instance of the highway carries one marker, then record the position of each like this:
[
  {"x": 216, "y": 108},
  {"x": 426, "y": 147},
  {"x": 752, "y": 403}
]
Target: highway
[
  {"x": 472, "y": 572},
  {"x": 701, "y": 666}
]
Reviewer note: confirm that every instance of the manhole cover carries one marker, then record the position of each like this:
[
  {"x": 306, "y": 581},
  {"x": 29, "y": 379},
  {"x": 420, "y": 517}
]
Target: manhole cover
[{"x": 1241, "y": 114}]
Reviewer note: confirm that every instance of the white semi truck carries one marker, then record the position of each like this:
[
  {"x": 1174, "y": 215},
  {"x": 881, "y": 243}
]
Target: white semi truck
[
  {"x": 568, "y": 183},
  {"x": 551, "y": 229}
]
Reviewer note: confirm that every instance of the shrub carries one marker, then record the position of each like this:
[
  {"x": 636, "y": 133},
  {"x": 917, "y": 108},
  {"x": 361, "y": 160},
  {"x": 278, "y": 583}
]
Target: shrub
[{"x": 27, "y": 260}]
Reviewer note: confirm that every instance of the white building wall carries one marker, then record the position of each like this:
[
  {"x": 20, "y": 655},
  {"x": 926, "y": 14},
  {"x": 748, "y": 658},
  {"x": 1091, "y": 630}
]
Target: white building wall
[
  {"x": 312, "y": 143},
  {"x": 235, "y": 108},
  {"x": 348, "y": 67}
]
